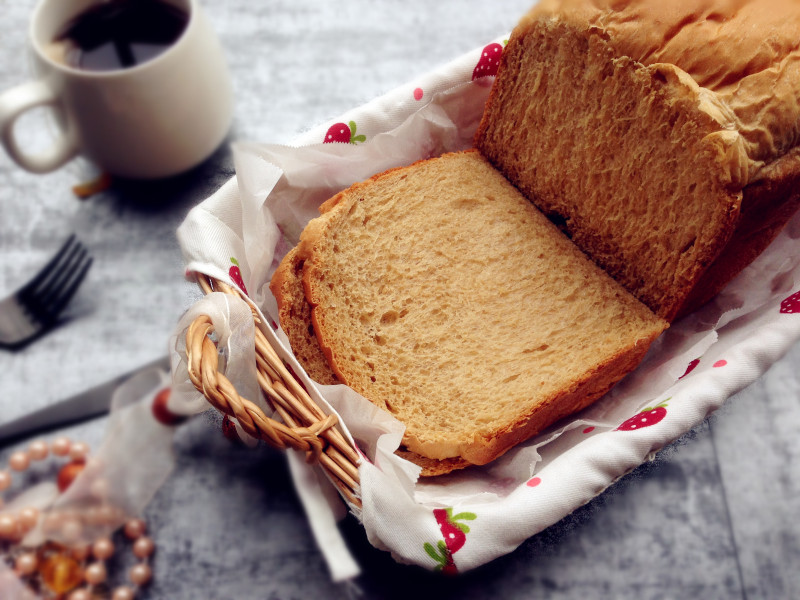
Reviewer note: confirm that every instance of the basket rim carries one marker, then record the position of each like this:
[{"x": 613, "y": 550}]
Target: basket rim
[{"x": 303, "y": 425}]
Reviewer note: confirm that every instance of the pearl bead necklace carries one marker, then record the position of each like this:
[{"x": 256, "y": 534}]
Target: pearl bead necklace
[{"x": 53, "y": 570}]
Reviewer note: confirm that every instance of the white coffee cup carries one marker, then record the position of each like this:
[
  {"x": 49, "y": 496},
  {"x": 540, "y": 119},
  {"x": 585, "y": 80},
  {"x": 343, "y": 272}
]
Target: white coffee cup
[{"x": 152, "y": 120}]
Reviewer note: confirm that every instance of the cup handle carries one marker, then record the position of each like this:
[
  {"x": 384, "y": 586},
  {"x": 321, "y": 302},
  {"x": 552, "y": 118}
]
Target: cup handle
[{"x": 15, "y": 102}]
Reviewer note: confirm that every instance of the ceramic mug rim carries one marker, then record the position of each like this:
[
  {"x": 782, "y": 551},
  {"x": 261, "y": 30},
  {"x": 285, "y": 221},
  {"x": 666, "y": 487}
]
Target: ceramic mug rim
[{"x": 38, "y": 43}]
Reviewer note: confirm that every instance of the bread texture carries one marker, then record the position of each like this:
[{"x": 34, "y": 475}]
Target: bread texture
[
  {"x": 295, "y": 317},
  {"x": 660, "y": 136},
  {"x": 439, "y": 293},
  {"x": 294, "y": 313}
]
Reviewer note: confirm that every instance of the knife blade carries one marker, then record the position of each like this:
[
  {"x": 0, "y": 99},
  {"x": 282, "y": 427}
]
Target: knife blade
[{"x": 78, "y": 408}]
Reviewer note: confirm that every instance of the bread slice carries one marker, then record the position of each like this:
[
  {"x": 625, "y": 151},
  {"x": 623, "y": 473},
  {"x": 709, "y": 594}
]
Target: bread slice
[
  {"x": 294, "y": 314},
  {"x": 625, "y": 158},
  {"x": 662, "y": 136},
  {"x": 768, "y": 202},
  {"x": 442, "y": 295},
  {"x": 295, "y": 317}
]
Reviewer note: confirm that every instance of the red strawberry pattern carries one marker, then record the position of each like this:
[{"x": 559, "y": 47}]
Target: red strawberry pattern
[
  {"x": 443, "y": 557},
  {"x": 343, "y": 133},
  {"x": 691, "y": 367},
  {"x": 455, "y": 536},
  {"x": 490, "y": 60},
  {"x": 647, "y": 418},
  {"x": 454, "y": 532},
  {"x": 235, "y": 273},
  {"x": 791, "y": 305}
]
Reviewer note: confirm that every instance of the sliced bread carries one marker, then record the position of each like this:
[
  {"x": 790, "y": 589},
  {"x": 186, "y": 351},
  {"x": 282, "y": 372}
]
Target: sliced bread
[
  {"x": 442, "y": 295},
  {"x": 295, "y": 317},
  {"x": 662, "y": 136}
]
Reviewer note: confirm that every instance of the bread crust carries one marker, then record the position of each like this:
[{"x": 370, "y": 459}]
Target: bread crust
[
  {"x": 744, "y": 52},
  {"x": 767, "y": 205},
  {"x": 590, "y": 388},
  {"x": 294, "y": 315}
]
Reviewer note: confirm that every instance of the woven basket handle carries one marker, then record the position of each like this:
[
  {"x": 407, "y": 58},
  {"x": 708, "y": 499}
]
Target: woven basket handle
[{"x": 303, "y": 425}]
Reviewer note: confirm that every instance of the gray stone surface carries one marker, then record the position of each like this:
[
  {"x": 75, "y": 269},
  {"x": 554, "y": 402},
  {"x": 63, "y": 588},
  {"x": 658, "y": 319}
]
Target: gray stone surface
[{"x": 714, "y": 516}]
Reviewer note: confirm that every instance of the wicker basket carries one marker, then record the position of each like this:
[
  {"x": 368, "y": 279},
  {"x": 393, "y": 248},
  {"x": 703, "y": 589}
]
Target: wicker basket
[{"x": 303, "y": 425}]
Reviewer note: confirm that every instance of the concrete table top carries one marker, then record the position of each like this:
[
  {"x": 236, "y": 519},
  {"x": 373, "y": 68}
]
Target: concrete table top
[{"x": 714, "y": 516}]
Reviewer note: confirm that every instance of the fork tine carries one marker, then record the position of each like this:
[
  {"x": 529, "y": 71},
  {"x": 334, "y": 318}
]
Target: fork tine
[
  {"x": 49, "y": 268},
  {"x": 70, "y": 288},
  {"x": 50, "y": 288},
  {"x": 43, "y": 300},
  {"x": 36, "y": 298},
  {"x": 48, "y": 300}
]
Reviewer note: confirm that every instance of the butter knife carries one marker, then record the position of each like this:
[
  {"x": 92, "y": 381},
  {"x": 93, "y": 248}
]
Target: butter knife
[{"x": 78, "y": 408}]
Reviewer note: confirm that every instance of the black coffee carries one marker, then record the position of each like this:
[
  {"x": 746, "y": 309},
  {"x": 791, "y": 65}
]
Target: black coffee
[{"x": 119, "y": 34}]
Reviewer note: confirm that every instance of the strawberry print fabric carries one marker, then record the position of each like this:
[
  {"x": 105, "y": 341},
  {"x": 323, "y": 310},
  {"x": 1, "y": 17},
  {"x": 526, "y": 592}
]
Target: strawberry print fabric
[
  {"x": 489, "y": 61},
  {"x": 461, "y": 521}
]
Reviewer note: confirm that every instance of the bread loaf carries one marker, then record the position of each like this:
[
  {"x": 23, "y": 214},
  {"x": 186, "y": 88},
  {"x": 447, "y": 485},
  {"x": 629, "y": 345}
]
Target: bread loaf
[
  {"x": 661, "y": 136},
  {"x": 442, "y": 295}
]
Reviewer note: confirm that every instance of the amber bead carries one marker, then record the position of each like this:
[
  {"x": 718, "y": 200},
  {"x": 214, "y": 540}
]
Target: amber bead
[
  {"x": 61, "y": 573},
  {"x": 68, "y": 473}
]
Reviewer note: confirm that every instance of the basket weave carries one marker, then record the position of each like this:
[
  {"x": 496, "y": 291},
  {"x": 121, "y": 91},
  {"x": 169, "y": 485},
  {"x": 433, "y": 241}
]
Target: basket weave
[{"x": 303, "y": 425}]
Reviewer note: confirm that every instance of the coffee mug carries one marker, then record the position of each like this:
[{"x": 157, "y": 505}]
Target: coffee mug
[{"x": 149, "y": 120}]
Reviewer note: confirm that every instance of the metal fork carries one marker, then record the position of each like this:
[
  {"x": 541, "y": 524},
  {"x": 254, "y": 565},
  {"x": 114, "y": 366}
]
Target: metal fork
[{"x": 35, "y": 308}]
